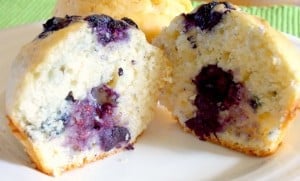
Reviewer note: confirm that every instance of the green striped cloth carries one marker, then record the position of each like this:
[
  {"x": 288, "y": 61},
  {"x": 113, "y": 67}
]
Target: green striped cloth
[
  {"x": 282, "y": 18},
  {"x": 17, "y": 12}
]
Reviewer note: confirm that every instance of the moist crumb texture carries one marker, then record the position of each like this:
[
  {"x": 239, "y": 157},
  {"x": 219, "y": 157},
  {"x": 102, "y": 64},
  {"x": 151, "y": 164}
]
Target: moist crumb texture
[
  {"x": 83, "y": 90},
  {"x": 234, "y": 78}
]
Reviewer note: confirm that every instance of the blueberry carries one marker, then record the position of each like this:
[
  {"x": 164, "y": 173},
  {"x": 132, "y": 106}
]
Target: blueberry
[
  {"x": 206, "y": 120},
  {"x": 205, "y": 18},
  {"x": 207, "y": 108},
  {"x": 213, "y": 82},
  {"x": 111, "y": 137},
  {"x": 57, "y": 23},
  {"x": 107, "y": 29},
  {"x": 129, "y": 147},
  {"x": 216, "y": 91},
  {"x": 70, "y": 97},
  {"x": 130, "y": 21},
  {"x": 192, "y": 41},
  {"x": 236, "y": 93},
  {"x": 255, "y": 103}
]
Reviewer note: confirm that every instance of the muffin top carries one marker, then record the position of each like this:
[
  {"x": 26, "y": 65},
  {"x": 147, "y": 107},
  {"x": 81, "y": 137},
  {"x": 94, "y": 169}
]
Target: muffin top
[{"x": 150, "y": 15}]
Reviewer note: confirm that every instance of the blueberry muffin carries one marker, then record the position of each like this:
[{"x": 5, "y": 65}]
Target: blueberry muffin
[
  {"x": 150, "y": 15},
  {"x": 84, "y": 89},
  {"x": 235, "y": 79}
]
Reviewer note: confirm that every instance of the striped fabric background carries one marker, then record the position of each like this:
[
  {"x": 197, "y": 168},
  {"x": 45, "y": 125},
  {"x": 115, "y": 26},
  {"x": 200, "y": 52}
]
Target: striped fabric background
[
  {"x": 18, "y": 12},
  {"x": 283, "y": 18}
]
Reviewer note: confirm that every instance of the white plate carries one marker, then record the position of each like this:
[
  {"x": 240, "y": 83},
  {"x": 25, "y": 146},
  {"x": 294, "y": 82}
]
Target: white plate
[{"x": 163, "y": 152}]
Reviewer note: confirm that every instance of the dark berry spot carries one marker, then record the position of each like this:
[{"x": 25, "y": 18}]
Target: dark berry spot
[
  {"x": 207, "y": 109},
  {"x": 254, "y": 103},
  {"x": 129, "y": 147},
  {"x": 192, "y": 41},
  {"x": 57, "y": 23},
  {"x": 70, "y": 97},
  {"x": 130, "y": 21},
  {"x": 216, "y": 92},
  {"x": 133, "y": 62},
  {"x": 213, "y": 82},
  {"x": 120, "y": 72},
  {"x": 107, "y": 29},
  {"x": 206, "y": 17}
]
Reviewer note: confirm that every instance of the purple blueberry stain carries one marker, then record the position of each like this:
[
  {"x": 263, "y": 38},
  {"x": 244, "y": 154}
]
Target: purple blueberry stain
[
  {"x": 107, "y": 29},
  {"x": 111, "y": 137},
  {"x": 91, "y": 120},
  {"x": 206, "y": 17},
  {"x": 216, "y": 92},
  {"x": 57, "y": 23},
  {"x": 80, "y": 125}
]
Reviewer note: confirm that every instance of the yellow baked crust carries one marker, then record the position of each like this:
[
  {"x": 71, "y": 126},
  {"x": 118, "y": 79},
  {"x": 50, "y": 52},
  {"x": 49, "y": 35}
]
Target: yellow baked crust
[
  {"x": 34, "y": 153},
  {"x": 251, "y": 150}
]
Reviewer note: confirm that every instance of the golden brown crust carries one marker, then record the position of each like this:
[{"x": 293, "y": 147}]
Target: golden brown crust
[
  {"x": 236, "y": 147},
  {"x": 291, "y": 115},
  {"x": 34, "y": 154},
  {"x": 259, "y": 152},
  {"x": 29, "y": 148},
  {"x": 241, "y": 148}
]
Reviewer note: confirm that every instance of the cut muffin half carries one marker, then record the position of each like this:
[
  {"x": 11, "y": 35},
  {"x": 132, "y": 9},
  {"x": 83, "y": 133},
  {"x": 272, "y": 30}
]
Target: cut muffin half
[
  {"x": 83, "y": 89},
  {"x": 235, "y": 79}
]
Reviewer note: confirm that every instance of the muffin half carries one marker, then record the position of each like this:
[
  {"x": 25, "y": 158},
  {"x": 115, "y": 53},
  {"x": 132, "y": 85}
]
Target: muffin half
[
  {"x": 235, "y": 79},
  {"x": 85, "y": 88}
]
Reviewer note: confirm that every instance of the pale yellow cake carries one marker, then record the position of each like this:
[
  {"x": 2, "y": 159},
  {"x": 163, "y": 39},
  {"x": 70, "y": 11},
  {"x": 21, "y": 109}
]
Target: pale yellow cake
[
  {"x": 150, "y": 15},
  {"x": 83, "y": 89},
  {"x": 235, "y": 79}
]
